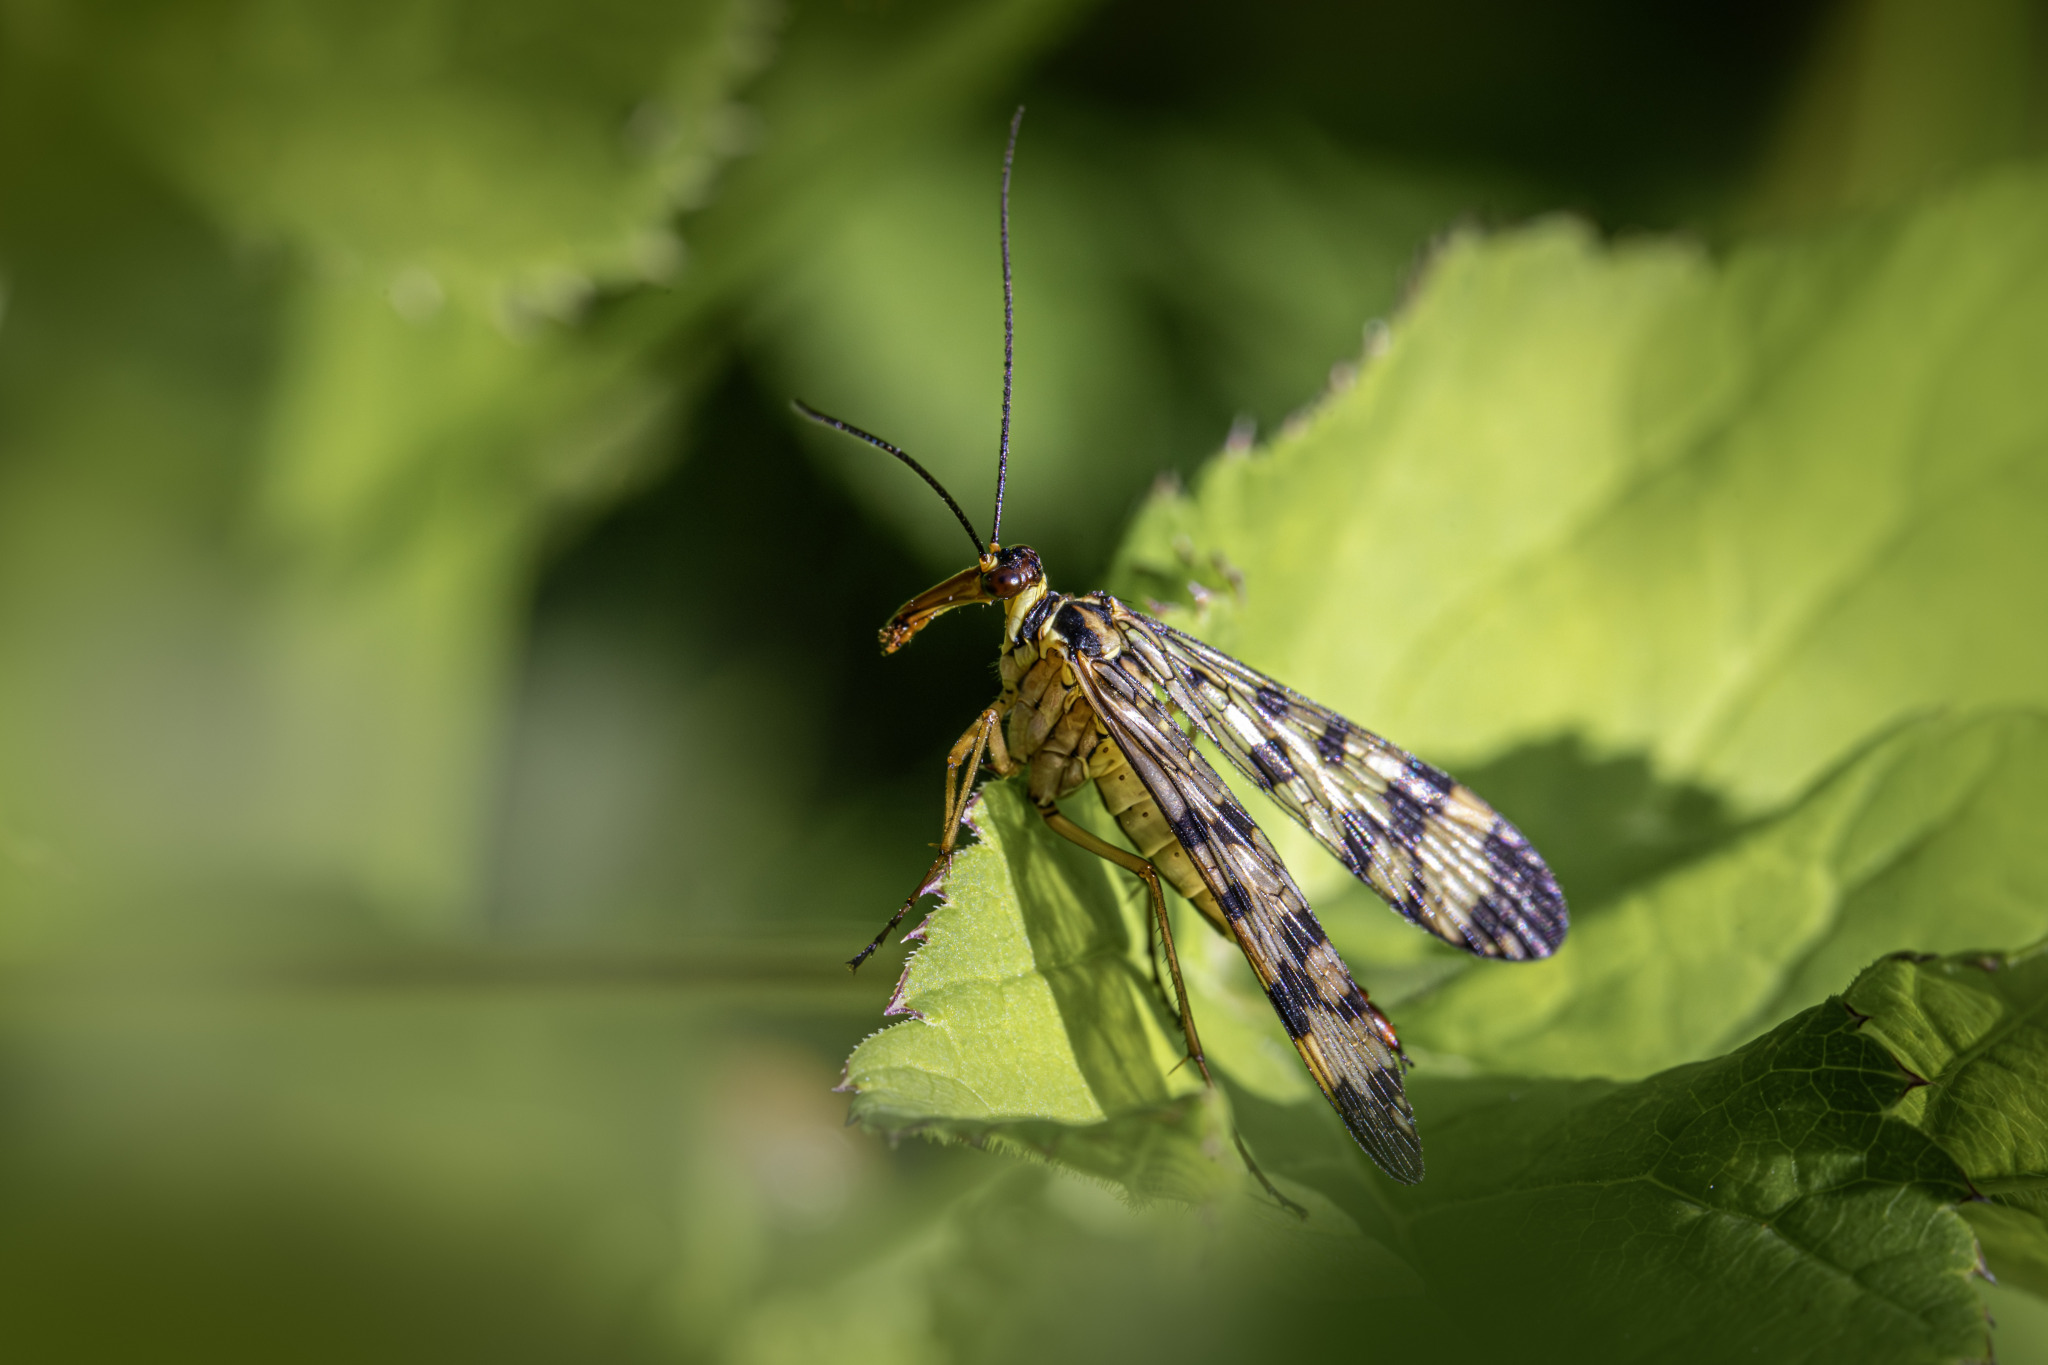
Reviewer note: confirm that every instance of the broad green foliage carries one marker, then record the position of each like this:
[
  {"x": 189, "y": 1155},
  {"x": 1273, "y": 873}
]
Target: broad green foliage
[
  {"x": 1737, "y": 516},
  {"x": 1973, "y": 1026},
  {"x": 299, "y": 372},
  {"x": 1765, "y": 1204},
  {"x": 388, "y": 138},
  {"x": 1033, "y": 1021},
  {"x": 430, "y": 829},
  {"x": 1929, "y": 841},
  {"x": 1709, "y": 514},
  {"x": 1759, "y": 1206}
]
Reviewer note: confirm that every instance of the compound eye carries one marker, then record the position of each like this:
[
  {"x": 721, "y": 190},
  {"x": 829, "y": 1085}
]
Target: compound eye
[{"x": 1007, "y": 580}]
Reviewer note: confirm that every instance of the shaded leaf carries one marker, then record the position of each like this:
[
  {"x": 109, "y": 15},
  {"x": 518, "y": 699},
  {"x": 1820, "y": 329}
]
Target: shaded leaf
[
  {"x": 1760, "y": 1206},
  {"x": 1975, "y": 1025},
  {"x": 517, "y": 155},
  {"x": 1928, "y": 841}
]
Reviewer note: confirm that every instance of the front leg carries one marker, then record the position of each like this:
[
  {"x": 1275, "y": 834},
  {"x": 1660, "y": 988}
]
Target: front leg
[{"x": 984, "y": 739}]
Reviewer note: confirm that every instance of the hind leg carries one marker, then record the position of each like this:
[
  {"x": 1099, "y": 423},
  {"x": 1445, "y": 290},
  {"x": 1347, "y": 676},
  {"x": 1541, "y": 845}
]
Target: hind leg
[{"x": 1149, "y": 875}]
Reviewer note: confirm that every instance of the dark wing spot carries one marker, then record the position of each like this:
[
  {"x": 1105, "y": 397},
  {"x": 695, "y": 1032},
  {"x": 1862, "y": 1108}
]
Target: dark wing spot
[
  {"x": 1234, "y": 815},
  {"x": 1272, "y": 763},
  {"x": 1358, "y": 839},
  {"x": 1350, "y": 1006},
  {"x": 1436, "y": 779},
  {"x": 1271, "y": 702},
  {"x": 1234, "y": 903},
  {"x": 1486, "y": 917},
  {"x": 1191, "y": 832},
  {"x": 1522, "y": 877},
  {"x": 1303, "y": 930},
  {"x": 1330, "y": 746},
  {"x": 1405, "y": 815},
  {"x": 1291, "y": 994}
]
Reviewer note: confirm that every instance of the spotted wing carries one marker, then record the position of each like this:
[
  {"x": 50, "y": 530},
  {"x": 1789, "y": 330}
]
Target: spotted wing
[
  {"x": 1426, "y": 844},
  {"x": 1348, "y": 1045}
]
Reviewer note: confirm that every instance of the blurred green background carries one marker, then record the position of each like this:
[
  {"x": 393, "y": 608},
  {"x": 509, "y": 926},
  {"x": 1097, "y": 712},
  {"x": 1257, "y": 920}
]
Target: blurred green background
[{"x": 444, "y": 758}]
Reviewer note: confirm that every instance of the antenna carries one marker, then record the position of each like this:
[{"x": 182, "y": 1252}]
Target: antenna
[
  {"x": 822, "y": 420},
  {"x": 995, "y": 530}
]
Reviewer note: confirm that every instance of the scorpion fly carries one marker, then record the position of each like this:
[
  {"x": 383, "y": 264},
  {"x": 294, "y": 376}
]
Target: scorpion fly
[{"x": 1090, "y": 693}]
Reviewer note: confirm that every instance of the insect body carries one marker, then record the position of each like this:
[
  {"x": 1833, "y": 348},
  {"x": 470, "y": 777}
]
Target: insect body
[{"x": 1090, "y": 691}]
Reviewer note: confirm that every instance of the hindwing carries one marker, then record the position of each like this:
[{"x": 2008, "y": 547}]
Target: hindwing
[{"x": 1348, "y": 1045}]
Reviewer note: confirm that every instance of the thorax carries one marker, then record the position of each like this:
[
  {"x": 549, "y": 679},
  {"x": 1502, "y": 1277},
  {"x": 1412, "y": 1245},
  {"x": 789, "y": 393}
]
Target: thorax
[{"x": 1050, "y": 726}]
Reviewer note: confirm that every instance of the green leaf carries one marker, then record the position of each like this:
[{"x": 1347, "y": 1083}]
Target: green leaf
[
  {"x": 1975, "y": 1025},
  {"x": 514, "y": 155},
  {"x": 1736, "y": 516},
  {"x": 409, "y": 472},
  {"x": 1033, "y": 1028},
  {"x": 1928, "y": 841},
  {"x": 1698, "y": 513},
  {"x": 1405, "y": 505},
  {"x": 1770, "y": 1204},
  {"x": 1761, "y": 1206}
]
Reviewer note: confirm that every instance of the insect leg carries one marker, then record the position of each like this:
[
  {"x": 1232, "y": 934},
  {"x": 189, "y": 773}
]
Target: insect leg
[
  {"x": 983, "y": 738},
  {"x": 1152, "y": 959},
  {"x": 1148, "y": 874}
]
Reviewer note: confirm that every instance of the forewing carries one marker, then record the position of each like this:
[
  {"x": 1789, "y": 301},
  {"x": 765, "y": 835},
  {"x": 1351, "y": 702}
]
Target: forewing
[
  {"x": 1348, "y": 1045},
  {"x": 1425, "y": 843}
]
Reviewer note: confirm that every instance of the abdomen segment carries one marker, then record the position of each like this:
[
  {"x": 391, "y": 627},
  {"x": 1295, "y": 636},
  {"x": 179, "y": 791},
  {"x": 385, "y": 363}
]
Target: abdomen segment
[{"x": 1149, "y": 832}]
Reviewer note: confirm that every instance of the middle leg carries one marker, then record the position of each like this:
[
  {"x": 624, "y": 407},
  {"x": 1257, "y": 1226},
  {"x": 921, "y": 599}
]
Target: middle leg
[{"x": 1145, "y": 872}]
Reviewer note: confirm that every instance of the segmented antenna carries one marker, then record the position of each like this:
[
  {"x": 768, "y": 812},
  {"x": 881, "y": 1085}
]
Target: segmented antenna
[
  {"x": 995, "y": 530},
  {"x": 851, "y": 430}
]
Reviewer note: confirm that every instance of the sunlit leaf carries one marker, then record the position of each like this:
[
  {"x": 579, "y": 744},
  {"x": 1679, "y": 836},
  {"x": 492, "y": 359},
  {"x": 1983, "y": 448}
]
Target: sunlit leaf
[
  {"x": 1033, "y": 1027},
  {"x": 1736, "y": 515}
]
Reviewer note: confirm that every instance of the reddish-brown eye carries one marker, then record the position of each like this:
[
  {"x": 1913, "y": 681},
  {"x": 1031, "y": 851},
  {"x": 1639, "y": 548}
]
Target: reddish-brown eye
[
  {"x": 1015, "y": 569},
  {"x": 1007, "y": 581}
]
